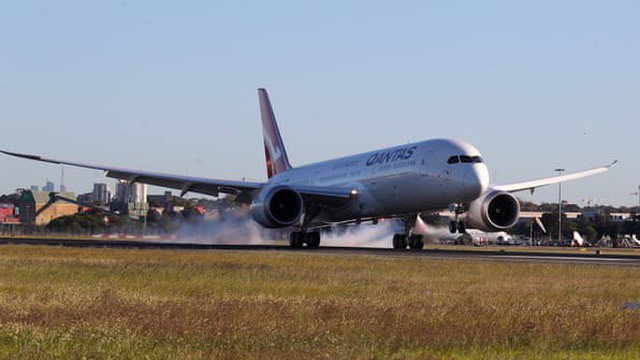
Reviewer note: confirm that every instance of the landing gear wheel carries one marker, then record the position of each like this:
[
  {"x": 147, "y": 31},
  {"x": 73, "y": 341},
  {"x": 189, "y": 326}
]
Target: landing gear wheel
[
  {"x": 461, "y": 227},
  {"x": 415, "y": 242},
  {"x": 313, "y": 240},
  {"x": 453, "y": 227},
  {"x": 402, "y": 241},
  {"x": 296, "y": 239},
  {"x": 399, "y": 241}
]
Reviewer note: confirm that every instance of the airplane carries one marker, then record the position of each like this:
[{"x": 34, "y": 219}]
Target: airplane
[
  {"x": 635, "y": 240},
  {"x": 479, "y": 237},
  {"x": 395, "y": 182},
  {"x": 440, "y": 234},
  {"x": 579, "y": 241}
]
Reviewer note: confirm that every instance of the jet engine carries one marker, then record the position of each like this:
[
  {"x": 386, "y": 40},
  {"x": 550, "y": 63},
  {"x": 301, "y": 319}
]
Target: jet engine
[
  {"x": 493, "y": 211},
  {"x": 277, "y": 206}
]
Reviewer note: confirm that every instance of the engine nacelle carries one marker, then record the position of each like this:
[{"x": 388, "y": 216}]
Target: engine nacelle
[
  {"x": 493, "y": 211},
  {"x": 277, "y": 206}
]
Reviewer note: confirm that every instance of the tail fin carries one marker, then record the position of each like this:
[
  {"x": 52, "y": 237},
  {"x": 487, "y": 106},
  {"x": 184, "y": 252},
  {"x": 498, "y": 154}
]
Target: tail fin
[
  {"x": 577, "y": 238},
  {"x": 275, "y": 153}
]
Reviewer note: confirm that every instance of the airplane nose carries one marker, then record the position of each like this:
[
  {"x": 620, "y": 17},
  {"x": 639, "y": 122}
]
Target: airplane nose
[{"x": 476, "y": 180}]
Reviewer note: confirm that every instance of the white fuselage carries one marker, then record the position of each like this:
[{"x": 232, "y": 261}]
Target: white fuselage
[{"x": 411, "y": 178}]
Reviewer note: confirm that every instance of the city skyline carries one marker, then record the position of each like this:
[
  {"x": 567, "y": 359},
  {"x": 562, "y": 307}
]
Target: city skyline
[
  {"x": 140, "y": 191},
  {"x": 172, "y": 88}
]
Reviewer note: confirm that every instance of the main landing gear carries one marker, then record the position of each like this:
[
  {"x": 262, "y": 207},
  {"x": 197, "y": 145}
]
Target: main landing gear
[
  {"x": 401, "y": 241},
  {"x": 298, "y": 238},
  {"x": 414, "y": 241}
]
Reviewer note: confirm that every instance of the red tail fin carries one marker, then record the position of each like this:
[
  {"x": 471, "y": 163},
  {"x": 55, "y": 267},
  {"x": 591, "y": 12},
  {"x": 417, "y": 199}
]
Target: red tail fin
[{"x": 275, "y": 153}]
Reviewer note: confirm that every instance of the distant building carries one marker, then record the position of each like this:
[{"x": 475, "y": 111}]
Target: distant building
[
  {"x": 139, "y": 195},
  {"x": 34, "y": 188},
  {"x": 49, "y": 187},
  {"x": 122, "y": 191},
  {"x": 130, "y": 198},
  {"x": 162, "y": 200},
  {"x": 31, "y": 203},
  {"x": 613, "y": 216},
  {"x": 101, "y": 193},
  {"x": 131, "y": 193},
  {"x": 168, "y": 196},
  {"x": 86, "y": 197},
  {"x": 63, "y": 188},
  {"x": 7, "y": 214}
]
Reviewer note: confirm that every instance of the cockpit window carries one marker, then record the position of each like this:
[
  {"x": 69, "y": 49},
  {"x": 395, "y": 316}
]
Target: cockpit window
[{"x": 466, "y": 159}]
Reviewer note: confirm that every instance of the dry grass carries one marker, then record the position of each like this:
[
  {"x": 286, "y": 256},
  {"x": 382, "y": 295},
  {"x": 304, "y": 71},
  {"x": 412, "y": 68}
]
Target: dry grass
[{"x": 104, "y": 303}]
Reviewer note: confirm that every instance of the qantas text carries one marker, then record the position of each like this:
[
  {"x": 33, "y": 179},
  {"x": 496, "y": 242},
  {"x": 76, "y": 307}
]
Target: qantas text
[{"x": 391, "y": 156}]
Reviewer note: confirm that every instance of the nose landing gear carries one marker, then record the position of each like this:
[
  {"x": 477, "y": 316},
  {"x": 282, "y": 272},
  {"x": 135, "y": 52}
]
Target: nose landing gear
[{"x": 457, "y": 225}]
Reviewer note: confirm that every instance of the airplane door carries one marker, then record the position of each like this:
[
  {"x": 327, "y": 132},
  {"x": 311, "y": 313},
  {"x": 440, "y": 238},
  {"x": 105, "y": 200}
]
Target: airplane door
[{"x": 427, "y": 158}]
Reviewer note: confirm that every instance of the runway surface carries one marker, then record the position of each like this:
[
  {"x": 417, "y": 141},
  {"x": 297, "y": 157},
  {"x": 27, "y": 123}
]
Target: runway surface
[{"x": 593, "y": 257}]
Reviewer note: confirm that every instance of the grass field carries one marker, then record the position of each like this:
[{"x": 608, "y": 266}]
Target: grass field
[{"x": 105, "y": 303}]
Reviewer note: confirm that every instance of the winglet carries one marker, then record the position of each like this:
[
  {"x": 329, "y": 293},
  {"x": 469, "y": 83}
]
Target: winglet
[
  {"x": 275, "y": 153},
  {"x": 30, "y": 157}
]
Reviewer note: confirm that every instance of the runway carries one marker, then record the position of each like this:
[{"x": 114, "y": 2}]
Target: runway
[{"x": 594, "y": 257}]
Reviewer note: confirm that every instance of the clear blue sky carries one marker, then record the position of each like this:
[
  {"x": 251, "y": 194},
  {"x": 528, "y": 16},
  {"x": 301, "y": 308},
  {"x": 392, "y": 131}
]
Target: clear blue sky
[{"x": 171, "y": 86}]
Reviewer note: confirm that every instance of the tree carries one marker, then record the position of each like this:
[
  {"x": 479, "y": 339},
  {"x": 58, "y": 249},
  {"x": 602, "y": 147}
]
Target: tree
[
  {"x": 155, "y": 203},
  {"x": 167, "y": 224},
  {"x": 613, "y": 229},
  {"x": 191, "y": 214},
  {"x": 630, "y": 227},
  {"x": 522, "y": 228},
  {"x": 571, "y": 208},
  {"x": 10, "y": 199},
  {"x": 546, "y": 207},
  {"x": 585, "y": 227},
  {"x": 153, "y": 216}
]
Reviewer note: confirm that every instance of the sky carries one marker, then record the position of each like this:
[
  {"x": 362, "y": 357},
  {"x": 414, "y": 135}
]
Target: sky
[{"x": 171, "y": 86}]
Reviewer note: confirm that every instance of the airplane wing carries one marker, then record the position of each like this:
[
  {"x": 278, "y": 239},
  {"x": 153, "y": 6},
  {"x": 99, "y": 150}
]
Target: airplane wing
[
  {"x": 531, "y": 185},
  {"x": 198, "y": 184},
  {"x": 184, "y": 183}
]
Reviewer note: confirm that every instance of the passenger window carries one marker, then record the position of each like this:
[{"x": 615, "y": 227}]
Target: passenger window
[
  {"x": 465, "y": 158},
  {"x": 452, "y": 160},
  {"x": 477, "y": 159}
]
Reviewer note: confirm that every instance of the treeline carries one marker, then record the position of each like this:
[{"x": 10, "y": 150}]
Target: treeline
[
  {"x": 553, "y": 207},
  {"x": 97, "y": 222},
  {"x": 591, "y": 228}
]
